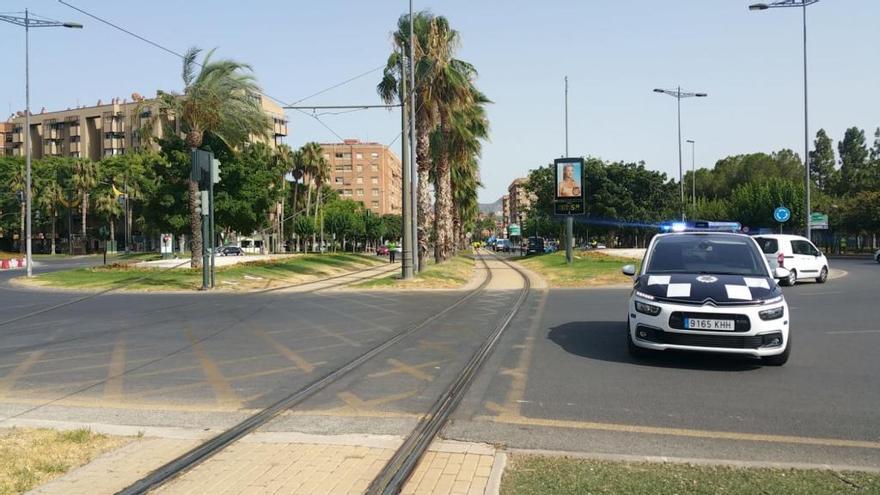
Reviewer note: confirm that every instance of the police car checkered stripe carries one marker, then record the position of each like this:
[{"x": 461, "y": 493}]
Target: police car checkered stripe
[{"x": 734, "y": 291}]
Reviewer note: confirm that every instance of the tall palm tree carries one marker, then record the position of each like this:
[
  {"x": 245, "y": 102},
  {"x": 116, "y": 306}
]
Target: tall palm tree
[
  {"x": 50, "y": 197},
  {"x": 313, "y": 165},
  {"x": 107, "y": 204},
  {"x": 220, "y": 98},
  {"x": 441, "y": 81},
  {"x": 18, "y": 187},
  {"x": 283, "y": 157},
  {"x": 85, "y": 177},
  {"x": 296, "y": 171}
]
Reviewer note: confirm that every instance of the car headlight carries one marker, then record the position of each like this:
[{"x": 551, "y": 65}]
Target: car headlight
[
  {"x": 772, "y": 314},
  {"x": 648, "y": 309}
]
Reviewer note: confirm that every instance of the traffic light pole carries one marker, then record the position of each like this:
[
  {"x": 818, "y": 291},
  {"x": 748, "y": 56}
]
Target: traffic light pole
[{"x": 211, "y": 220}]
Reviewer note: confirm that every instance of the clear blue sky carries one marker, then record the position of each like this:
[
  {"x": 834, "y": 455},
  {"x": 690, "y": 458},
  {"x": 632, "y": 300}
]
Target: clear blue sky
[{"x": 613, "y": 52}]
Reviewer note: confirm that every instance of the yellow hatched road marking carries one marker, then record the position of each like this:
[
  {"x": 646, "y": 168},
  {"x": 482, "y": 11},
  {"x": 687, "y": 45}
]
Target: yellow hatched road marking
[
  {"x": 356, "y": 402},
  {"x": 221, "y": 386},
  {"x": 8, "y": 380},
  {"x": 285, "y": 351},
  {"x": 401, "y": 367},
  {"x": 113, "y": 386}
]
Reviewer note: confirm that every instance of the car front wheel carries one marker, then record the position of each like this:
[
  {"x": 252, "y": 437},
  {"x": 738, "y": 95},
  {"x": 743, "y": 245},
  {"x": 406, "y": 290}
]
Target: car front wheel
[
  {"x": 779, "y": 359},
  {"x": 823, "y": 275},
  {"x": 791, "y": 279}
]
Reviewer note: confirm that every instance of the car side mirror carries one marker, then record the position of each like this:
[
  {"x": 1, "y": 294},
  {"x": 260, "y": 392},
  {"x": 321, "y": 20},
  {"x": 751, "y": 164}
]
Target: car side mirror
[
  {"x": 629, "y": 270},
  {"x": 781, "y": 272}
]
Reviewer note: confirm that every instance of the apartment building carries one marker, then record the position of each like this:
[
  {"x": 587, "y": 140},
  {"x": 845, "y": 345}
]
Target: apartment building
[
  {"x": 104, "y": 129},
  {"x": 505, "y": 213},
  {"x": 366, "y": 172},
  {"x": 6, "y": 129},
  {"x": 520, "y": 199}
]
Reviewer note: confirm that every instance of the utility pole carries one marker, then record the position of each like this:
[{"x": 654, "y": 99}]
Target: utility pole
[
  {"x": 569, "y": 220},
  {"x": 802, "y": 4},
  {"x": 407, "y": 251}
]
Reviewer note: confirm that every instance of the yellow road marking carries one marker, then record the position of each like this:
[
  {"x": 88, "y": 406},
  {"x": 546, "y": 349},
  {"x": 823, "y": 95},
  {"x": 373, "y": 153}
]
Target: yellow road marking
[
  {"x": 339, "y": 336},
  {"x": 355, "y": 402},
  {"x": 519, "y": 375},
  {"x": 429, "y": 345},
  {"x": 93, "y": 403},
  {"x": 684, "y": 432},
  {"x": 113, "y": 386},
  {"x": 8, "y": 380},
  {"x": 285, "y": 351},
  {"x": 222, "y": 388},
  {"x": 401, "y": 367}
]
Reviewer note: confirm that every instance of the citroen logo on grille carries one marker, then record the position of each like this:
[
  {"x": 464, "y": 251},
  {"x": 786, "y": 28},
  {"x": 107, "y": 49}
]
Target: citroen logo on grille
[{"x": 707, "y": 279}]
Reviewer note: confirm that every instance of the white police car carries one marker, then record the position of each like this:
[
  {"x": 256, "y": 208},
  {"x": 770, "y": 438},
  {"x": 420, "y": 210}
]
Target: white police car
[{"x": 710, "y": 292}]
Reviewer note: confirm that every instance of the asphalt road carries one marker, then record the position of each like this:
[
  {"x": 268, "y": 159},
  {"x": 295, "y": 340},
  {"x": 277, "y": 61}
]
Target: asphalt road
[
  {"x": 560, "y": 380},
  {"x": 567, "y": 383}
]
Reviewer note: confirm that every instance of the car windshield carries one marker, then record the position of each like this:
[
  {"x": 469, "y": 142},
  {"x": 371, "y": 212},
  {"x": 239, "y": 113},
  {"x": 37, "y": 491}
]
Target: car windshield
[{"x": 706, "y": 253}]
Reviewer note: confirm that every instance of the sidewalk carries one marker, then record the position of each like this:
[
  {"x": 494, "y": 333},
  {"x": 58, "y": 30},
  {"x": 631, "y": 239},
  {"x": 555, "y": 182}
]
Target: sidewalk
[{"x": 290, "y": 463}]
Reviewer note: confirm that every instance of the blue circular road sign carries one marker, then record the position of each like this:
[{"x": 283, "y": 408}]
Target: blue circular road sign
[{"x": 781, "y": 214}]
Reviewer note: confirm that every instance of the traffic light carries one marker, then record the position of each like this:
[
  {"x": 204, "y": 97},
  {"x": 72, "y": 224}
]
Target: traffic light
[
  {"x": 215, "y": 170},
  {"x": 202, "y": 203}
]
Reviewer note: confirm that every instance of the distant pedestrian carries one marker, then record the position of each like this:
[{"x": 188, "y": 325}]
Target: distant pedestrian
[
  {"x": 398, "y": 250},
  {"x": 392, "y": 251}
]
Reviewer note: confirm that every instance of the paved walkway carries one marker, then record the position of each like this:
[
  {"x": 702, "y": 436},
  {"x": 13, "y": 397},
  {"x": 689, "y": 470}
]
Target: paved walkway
[{"x": 289, "y": 463}]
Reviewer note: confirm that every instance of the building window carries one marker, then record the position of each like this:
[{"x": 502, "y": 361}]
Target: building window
[
  {"x": 359, "y": 156},
  {"x": 360, "y": 180},
  {"x": 359, "y": 168},
  {"x": 374, "y": 168},
  {"x": 374, "y": 155},
  {"x": 360, "y": 192},
  {"x": 339, "y": 169},
  {"x": 375, "y": 191},
  {"x": 338, "y": 180},
  {"x": 74, "y": 139},
  {"x": 346, "y": 192},
  {"x": 347, "y": 168},
  {"x": 327, "y": 155},
  {"x": 374, "y": 180},
  {"x": 338, "y": 155},
  {"x": 374, "y": 205}
]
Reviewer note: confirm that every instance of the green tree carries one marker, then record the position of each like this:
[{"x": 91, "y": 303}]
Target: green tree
[
  {"x": 220, "y": 98},
  {"x": 107, "y": 204},
  {"x": 854, "y": 167},
  {"x": 822, "y": 169},
  {"x": 85, "y": 177}
]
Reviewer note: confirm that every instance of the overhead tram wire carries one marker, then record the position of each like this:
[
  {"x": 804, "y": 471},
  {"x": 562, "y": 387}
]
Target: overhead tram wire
[{"x": 180, "y": 55}]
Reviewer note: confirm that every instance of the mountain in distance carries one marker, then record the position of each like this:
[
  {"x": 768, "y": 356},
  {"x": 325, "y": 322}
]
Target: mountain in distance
[{"x": 487, "y": 208}]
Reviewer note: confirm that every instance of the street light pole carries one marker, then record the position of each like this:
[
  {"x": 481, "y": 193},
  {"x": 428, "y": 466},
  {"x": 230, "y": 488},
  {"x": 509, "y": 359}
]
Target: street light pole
[
  {"x": 678, "y": 94},
  {"x": 802, "y": 4},
  {"x": 26, "y": 22},
  {"x": 693, "y": 172}
]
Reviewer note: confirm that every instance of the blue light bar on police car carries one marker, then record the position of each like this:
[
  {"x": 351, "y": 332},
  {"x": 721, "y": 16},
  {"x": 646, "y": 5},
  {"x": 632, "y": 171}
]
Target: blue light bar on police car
[{"x": 700, "y": 226}]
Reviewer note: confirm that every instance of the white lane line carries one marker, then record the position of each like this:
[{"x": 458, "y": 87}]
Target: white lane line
[
  {"x": 822, "y": 293},
  {"x": 836, "y": 332}
]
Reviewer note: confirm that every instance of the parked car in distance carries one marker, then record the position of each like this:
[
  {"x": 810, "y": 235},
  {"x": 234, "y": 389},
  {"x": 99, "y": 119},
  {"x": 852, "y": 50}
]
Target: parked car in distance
[
  {"x": 503, "y": 245},
  {"x": 231, "y": 251},
  {"x": 535, "y": 245},
  {"x": 797, "y": 254},
  {"x": 877, "y": 256},
  {"x": 382, "y": 251}
]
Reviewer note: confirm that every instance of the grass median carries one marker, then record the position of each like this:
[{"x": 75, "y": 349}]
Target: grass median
[
  {"x": 32, "y": 457},
  {"x": 453, "y": 274},
  {"x": 588, "y": 269},
  {"x": 243, "y": 276},
  {"x": 528, "y": 475}
]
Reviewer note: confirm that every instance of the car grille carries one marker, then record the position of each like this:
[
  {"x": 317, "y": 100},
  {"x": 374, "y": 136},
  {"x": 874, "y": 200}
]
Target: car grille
[
  {"x": 702, "y": 340},
  {"x": 741, "y": 322}
]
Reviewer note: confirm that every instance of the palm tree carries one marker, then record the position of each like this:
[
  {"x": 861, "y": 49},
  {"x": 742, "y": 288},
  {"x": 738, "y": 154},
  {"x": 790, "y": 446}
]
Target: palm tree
[
  {"x": 441, "y": 81},
  {"x": 107, "y": 204},
  {"x": 317, "y": 169},
  {"x": 296, "y": 171},
  {"x": 48, "y": 200},
  {"x": 283, "y": 157},
  {"x": 18, "y": 186},
  {"x": 85, "y": 174},
  {"x": 219, "y": 98}
]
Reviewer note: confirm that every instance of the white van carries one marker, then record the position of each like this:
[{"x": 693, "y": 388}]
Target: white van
[{"x": 800, "y": 256}]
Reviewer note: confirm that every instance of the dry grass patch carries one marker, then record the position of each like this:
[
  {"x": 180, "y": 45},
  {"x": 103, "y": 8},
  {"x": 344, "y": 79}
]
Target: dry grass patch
[{"x": 32, "y": 457}]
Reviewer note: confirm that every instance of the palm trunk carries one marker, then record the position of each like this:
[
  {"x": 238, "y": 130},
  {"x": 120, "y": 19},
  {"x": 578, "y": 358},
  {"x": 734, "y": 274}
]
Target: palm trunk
[
  {"x": 293, "y": 211},
  {"x": 423, "y": 157},
  {"x": 456, "y": 228},
  {"x": 195, "y": 219},
  {"x": 85, "y": 212},
  {"x": 442, "y": 209},
  {"x": 112, "y": 233},
  {"x": 54, "y": 225}
]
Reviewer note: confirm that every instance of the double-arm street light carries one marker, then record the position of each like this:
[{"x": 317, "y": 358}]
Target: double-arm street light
[
  {"x": 678, "y": 94},
  {"x": 27, "y": 22},
  {"x": 802, "y": 4}
]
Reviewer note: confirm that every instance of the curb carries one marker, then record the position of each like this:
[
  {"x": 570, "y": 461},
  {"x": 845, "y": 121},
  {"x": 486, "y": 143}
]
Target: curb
[{"x": 700, "y": 461}]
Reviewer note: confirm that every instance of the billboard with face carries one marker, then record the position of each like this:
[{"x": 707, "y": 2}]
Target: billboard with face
[{"x": 569, "y": 179}]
